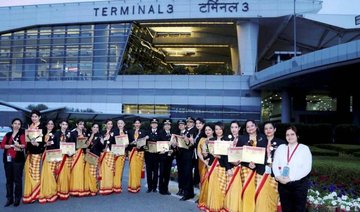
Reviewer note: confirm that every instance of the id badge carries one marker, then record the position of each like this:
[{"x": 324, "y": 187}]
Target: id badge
[
  {"x": 267, "y": 169},
  {"x": 285, "y": 172},
  {"x": 8, "y": 158}
]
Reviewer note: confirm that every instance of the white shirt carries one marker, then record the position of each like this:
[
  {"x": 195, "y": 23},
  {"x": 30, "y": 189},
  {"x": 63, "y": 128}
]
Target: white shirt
[{"x": 300, "y": 163}]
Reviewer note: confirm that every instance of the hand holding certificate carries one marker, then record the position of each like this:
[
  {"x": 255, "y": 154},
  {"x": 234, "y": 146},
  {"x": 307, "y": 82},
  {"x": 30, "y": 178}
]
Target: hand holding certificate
[
  {"x": 181, "y": 143},
  {"x": 140, "y": 142},
  {"x": 67, "y": 148},
  {"x": 53, "y": 155},
  {"x": 118, "y": 149},
  {"x": 152, "y": 147},
  {"x": 122, "y": 140},
  {"x": 33, "y": 135},
  {"x": 221, "y": 147},
  {"x": 81, "y": 143}
]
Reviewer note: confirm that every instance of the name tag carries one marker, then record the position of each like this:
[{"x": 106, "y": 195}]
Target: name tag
[{"x": 285, "y": 171}]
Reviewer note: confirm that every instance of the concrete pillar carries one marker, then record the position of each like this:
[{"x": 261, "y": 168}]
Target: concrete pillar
[
  {"x": 247, "y": 35},
  {"x": 285, "y": 107},
  {"x": 235, "y": 59}
]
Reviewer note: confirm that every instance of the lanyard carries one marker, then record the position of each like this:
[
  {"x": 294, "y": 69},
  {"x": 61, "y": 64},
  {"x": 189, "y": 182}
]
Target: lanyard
[{"x": 292, "y": 154}]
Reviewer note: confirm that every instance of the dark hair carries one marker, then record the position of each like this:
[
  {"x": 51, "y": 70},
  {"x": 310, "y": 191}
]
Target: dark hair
[
  {"x": 293, "y": 128},
  {"x": 207, "y": 125},
  {"x": 47, "y": 121},
  {"x": 269, "y": 122},
  {"x": 120, "y": 120},
  {"x": 235, "y": 122},
  {"x": 93, "y": 124},
  {"x": 36, "y": 112},
  {"x": 137, "y": 119},
  {"x": 16, "y": 119},
  {"x": 80, "y": 120},
  {"x": 220, "y": 124},
  {"x": 200, "y": 119},
  {"x": 107, "y": 120},
  {"x": 253, "y": 121},
  {"x": 63, "y": 120}
]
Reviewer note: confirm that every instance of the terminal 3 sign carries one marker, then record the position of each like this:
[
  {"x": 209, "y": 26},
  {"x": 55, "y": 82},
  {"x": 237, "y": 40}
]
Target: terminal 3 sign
[
  {"x": 210, "y": 6},
  {"x": 174, "y": 9},
  {"x": 142, "y": 10}
]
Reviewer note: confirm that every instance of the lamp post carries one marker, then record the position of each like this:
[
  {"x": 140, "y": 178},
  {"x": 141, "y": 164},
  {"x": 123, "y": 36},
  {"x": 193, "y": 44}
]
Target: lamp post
[{"x": 295, "y": 28}]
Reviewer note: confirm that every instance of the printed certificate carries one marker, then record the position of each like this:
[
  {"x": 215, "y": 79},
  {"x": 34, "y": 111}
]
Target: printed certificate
[
  {"x": 67, "y": 148},
  {"x": 33, "y": 134},
  {"x": 122, "y": 140},
  {"x": 221, "y": 147}
]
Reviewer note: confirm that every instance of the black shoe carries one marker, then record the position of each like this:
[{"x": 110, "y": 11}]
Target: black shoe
[
  {"x": 9, "y": 202},
  {"x": 17, "y": 203},
  {"x": 148, "y": 191},
  {"x": 180, "y": 193},
  {"x": 167, "y": 193},
  {"x": 184, "y": 198},
  {"x": 154, "y": 190},
  {"x": 197, "y": 201}
]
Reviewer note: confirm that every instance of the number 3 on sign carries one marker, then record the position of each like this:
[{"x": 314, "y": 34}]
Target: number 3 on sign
[{"x": 245, "y": 7}]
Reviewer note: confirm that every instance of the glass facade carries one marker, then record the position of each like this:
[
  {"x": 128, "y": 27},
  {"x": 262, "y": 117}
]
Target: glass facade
[{"x": 74, "y": 52}]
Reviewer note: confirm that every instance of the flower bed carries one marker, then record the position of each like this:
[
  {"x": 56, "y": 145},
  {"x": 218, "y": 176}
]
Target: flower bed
[{"x": 320, "y": 201}]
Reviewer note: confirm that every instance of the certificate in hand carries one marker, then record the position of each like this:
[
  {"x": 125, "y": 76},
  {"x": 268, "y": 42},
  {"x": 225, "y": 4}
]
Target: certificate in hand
[
  {"x": 234, "y": 154},
  {"x": 33, "y": 134},
  {"x": 67, "y": 148},
  {"x": 181, "y": 142},
  {"x": 162, "y": 146},
  {"x": 152, "y": 147},
  {"x": 253, "y": 154},
  {"x": 140, "y": 142},
  {"x": 118, "y": 149},
  {"x": 221, "y": 147},
  {"x": 122, "y": 140},
  {"x": 81, "y": 143},
  {"x": 91, "y": 158},
  {"x": 210, "y": 146},
  {"x": 53, "y": 155}
]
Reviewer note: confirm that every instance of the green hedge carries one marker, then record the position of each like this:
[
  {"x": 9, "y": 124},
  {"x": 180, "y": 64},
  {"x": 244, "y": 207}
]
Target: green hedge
[
  {"x": 343, "y": 148},
  {"x": 340, "y": 173},
  {"x": 347, "y": 134},
  {"x": 356, "y": 154},
  {"x": 315, "y": 151}
]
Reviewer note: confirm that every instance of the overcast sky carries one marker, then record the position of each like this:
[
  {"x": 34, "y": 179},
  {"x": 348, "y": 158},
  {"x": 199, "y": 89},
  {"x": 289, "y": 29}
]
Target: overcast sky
[{"x": 329, "y": 6}]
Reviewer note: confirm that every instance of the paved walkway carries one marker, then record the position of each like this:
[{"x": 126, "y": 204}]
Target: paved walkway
[{"x": 116, "y": 202}]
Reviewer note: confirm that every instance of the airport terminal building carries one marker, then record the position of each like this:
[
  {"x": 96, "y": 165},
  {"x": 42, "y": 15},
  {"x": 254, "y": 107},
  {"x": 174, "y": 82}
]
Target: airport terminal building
[{"x": 216, "y": 59}]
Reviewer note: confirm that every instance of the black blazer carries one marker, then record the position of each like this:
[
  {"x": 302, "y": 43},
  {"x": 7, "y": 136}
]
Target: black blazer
[
  {"x": 31, "y": 149},
  {"x": 261, "y": 142},
  {"x": 96, "y": 146},
  {"x": 20, "y": 156},
  {"x": 223, "y": 160},
  {"x": 55, "y": 144},
  {"x": 275, "y": 143}
]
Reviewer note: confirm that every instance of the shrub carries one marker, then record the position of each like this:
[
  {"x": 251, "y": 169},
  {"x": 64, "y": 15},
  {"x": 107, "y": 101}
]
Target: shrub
[
  {"x": 340, "y": 174},
  {"x": 343, "y": 148},
  {"x": 347, "y": 134},
  {"x": 315, "y": 151}
]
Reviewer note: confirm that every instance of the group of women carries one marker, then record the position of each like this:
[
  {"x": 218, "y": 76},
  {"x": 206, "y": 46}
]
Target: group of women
[
  {"x": 240, "y": 186},
  {"x": 224, "y": 186}
]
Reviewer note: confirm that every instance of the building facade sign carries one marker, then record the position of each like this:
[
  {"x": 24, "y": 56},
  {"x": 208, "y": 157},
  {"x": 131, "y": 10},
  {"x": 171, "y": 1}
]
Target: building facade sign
[{"x": 149, "y": 10}]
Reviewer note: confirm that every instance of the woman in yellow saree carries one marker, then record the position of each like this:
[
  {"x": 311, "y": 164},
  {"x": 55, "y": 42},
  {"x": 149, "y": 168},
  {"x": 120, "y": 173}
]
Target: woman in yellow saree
[
  {"x": 217, "y": 175},
  {"x": 96, "y": 146},
  {"x": 233, "y": 200},
  {"x": 120, "y": 159},
  {"x": 78, "y": 163},
  {"x": 35, "y": 148},
  {"x": 203, "y": 155},
  {"x": 48, "y": 186},
  {"x": 63, "y": 171},
  {"x": 106, "y": 162},
  {"x": 250, "y": 170},
  {"x": 136, "y": 157}
]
